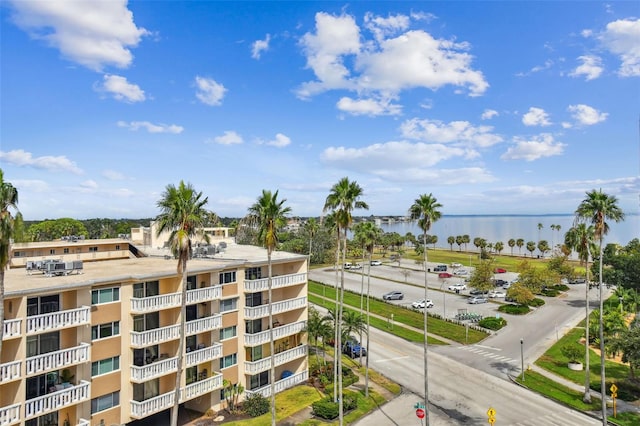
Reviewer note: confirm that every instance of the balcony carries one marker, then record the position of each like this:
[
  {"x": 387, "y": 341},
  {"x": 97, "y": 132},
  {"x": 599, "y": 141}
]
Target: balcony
[
  {"x": 50, "y": 361},
  {"x": 83, "y": 422},
  {"x": 10, "y": 415},
  {"x": 278, "y": 307},
  {"x": 153, "y": 370},
  {"x": 10, "y": 371},
  {"x": 140, "y": 409},
  {"x": 262, "y": 284},
  {"x": 203, "y": 355},
  {"x": 278, "y": 333},
  {"x": 140, "y": 305},
  {"x": 280, "y": 385},
  {"x": 284, "y": 357},
  {"x": 141, "y": 339},
  {"x": 205, "y": 294},
  {"x": 202, "y": 325},
  {"x": 11, "y": 329},
  {"x": 54, "y": 401},
  {"x": 58, "y": 320}
]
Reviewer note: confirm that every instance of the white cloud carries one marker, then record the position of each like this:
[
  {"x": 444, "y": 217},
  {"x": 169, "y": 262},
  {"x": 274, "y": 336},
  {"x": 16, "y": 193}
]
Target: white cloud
[
  {"x": 89, "y": 184},
  {"x": 209, "y": 91},
  {"x": 229, "y": 138},
  {"x": 150, "y": 127},
  {"x": 547, "y": 65},
  {"x": 586, "y": 115},
  {"x": 94, "y": 34},
  {"x": 121, "y": 89},
  {"x": 112, "y": 175},
  {"x": 621, "y": 38},
  {"x": 21, "y": 158},
  {"x": 34, "y": 185},
  {"x": 280, "y": 141},
  {"x": 371, "y": 107},
  {"x": 488, "y": 114},
  {"x": 385, "y": 66},
  {"x": 538, "y": 147},
  {"x": 536, "y": 117},
  {"x": 455, "y": 132},
  {"x": 260, "y": 46},
  {"x": 591, "y": 67}
]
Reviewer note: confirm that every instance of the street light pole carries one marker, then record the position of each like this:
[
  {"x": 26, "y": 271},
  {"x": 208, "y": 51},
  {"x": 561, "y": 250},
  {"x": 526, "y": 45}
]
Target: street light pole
[{"x": 522, "y": 357}]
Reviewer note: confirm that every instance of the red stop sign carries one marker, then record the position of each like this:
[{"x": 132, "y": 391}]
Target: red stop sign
[{"x": 420, "y": 413}]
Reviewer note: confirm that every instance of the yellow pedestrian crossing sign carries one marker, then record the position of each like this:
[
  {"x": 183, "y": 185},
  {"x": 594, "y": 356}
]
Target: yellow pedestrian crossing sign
[
  {"x": 491, "y": 412},
  {"x": 613, "y": 388}
]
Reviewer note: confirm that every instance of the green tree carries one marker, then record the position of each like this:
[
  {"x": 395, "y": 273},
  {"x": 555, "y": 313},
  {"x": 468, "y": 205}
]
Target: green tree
[
  {"x": 318, "y": 327},
  {"x": 269, "y": 215},
  {"x": 543, "y": 247},
  {"x": 311, "y": 228},
  {"x": 520, "y": 243},
  {"x": 520, "y": 293},
  {"x": 511, "y": 243},
  {"x": 182, "y": 211},
  {"x": 597, "y": 208},
  {"x": 531, "y": 247},
  {"x": 8, "y": 202},
  {"x": 343, "y": 198},
  {"x": 540, "y": 226},
  {"x": 628, "y": 343},
  {"x": 498, "y": 246},
  {"x": 451, "y": 240},
  {"x": 426, "y": 210},
  {"x": 459, "y": 242},
  {"x": 466, "y": 239},
  {"x": 482, "y": 277}
]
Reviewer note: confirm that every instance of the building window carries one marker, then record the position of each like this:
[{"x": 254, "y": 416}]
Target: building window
[
  {"x": 253, "y": 273},
  {"x": 146, "y": 390},
  {"x": 259, "y": 380},
  {"x": 146, "y": 322},
  {"x": 19, "y": 253},
  {"x": 192, "y": 282},
  {"x": 93, "y": 249},
  {"x": 43, "y": 343},
  {"x": 228, "y": 361},
  {"x": 65, "y": 251},
  {"x": 103, "y": 331},
  {"x": 117, "y": 246},
  {"x": 105, "y": 295},
  {"x": 52, "y": 251},
  {"x": 43, "y": 305},
  {"x": 229, "y": 305},
  {"x": 46, "y": 420},
  {"x": 147, "y": 289},
  {"x": 227, "y": 277},
  {"x": 105, "y": 366},
  {"x": 228, "y": 332},
  {"x": 105, "y": 402}
]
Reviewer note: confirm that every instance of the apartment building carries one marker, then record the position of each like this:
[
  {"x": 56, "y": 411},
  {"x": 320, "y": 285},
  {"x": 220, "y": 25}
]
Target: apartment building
[{"x": 98, "y": 345}]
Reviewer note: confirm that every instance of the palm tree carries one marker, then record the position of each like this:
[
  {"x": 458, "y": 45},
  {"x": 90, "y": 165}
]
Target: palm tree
[
  {"x": 317, "y": 326},
  {"x": 540, "y": 226},
  {"x": 596, "y": 209},
  {"x": 580, "y": 238},
  {"x": 511, "y": 243},
  {"x": 343, "y": 199},
  {"x": 352, "y": 323},
  {"x": 425, "y": 210},
  {"x": 269, "y": 215},
  {"x": 182, "y": 213},
  {"x": 466, "y": 239},
  {"x": 312, "y": 228},
  {"x": 451, "y": 240},
  {"x": 8, "y": 200},
  {"x": 520, "y": 243}
]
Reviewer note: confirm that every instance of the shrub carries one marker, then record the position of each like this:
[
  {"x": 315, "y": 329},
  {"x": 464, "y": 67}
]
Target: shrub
[
  {"x": 327, "y": 409},
  {"x": 256, "y": 405},
  {"x": 514, "y": 309},
  {"x": 536, "y": 302},
  {"x": 492, "y": 323},
  {"x": 573, "y": 352},
  {"x": 560, "y": 287},
  {"x": 550, "y": 292}
]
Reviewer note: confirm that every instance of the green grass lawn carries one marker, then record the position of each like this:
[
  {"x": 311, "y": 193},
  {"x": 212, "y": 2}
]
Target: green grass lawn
[{"x": 545, "y": 386}]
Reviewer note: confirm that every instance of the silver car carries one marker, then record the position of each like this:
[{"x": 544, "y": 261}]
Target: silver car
[
  {"x": 393, "y": 295},
  {"x": 474, "y": 300}
]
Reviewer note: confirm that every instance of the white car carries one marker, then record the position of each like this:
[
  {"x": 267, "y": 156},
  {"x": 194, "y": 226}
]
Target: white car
[
  {"x": 497, "y": 294},
  {"x": 456, "y": 265},
  {"x": 461, "y": 272},
  {"x": 376, "y": 263},
  {"x": 421, "y": 304},
  {"x": 356, "y": 266},
  {"x": 454, "y": 287}
]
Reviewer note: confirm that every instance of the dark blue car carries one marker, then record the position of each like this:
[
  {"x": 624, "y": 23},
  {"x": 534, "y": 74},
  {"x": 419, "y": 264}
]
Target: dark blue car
[{"x": 353, "y": 349}]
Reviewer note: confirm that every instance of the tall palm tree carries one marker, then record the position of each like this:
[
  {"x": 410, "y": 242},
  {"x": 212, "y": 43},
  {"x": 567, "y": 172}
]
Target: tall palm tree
[
  {"x": 343, "y": 198},
  {"x": 311, "y": 227},
  {"x": 519, "y": 243},
  {"x": 425, "y": 210},
  {"x": 540, "y": 226},
  {"x": 597, "y": 208},
  {"x": 581, "y": 239},
  {"x": 331, "y": 224},
  {"x": 182, "y": 213},
  {"x": 8, "y": 200},
  {"x": 269, "y": 215}
]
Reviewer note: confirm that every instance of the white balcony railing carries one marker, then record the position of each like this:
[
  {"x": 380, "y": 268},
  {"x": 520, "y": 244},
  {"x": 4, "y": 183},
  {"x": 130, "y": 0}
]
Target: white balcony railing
[
  {"x": 203, "y": 355},
  {"x": 205, "y": 294},
  {"x": 155, "y": 303},
  {"x": 58, "y": 320},
  {"x": 11, "y": 329},
  {"x": 201, "y": 325},
  {"x": 56, "y": 400},
  {"x": 140, "y": 339},
  {"x": 59, "y": 359},
  {"x": 281, "y": 385},
  {"x": 140, "y": 409},
  {"x": 10, "y": 415},
  {"x": 153, "y": 370},
  {"x": 278, "y": 333},
  {"x": 83, "y": 422},
  {"x": 201, "y": 387},
  {"x": 10, "y": 371},
  {"x": 278, "y": 307},
  {"x": 280, "y": 281},
  {"x": 255, "y": 367}
]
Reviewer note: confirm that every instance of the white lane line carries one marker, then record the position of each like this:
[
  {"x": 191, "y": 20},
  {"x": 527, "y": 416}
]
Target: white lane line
[
  {"x": 488, "y": 347},
  {"x": 393, "y": 359}
]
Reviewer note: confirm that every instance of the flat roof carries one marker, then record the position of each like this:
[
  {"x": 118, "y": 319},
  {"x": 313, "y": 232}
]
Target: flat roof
[
  {"x": 18, "y": 282},
  {"x": 60, "y": 243}
]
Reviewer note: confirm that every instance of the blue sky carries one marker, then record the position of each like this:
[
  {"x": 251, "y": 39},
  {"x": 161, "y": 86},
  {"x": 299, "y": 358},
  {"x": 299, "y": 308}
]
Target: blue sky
[{"x": 494, "y": 107}]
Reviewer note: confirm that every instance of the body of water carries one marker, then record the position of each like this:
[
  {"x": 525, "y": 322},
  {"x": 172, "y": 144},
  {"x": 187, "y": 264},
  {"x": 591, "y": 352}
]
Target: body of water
[{"x": 494, "y": 228}]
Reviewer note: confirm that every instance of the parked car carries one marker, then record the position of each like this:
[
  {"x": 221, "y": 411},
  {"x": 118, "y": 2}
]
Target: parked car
[
  {"x": 459, "y": 287},
  {"x": 507, "y": 286},
  {"x": 474, "y": 300},
  {"x": 376, "y": 263},
  {"x": 356, "y": 266},
  {"x": 461, "y": 272},
  {"x": 444, "y": 275},
  {"x": 347, "y": 265},
  {"x": 440, "y": 268},
  {"x": 498, "y": 283},
  {"x": 476, "y": 292},
  {"x": 393, "y": 295},
  {"x": 578, "y": 281},
  {"x": 353, "y": 348},
  {"x": 500, "y": 271},
  {"x": 421, "y": 304},
  {"x": 456, "y": 265},
  {"x": 497, "y": 294}
]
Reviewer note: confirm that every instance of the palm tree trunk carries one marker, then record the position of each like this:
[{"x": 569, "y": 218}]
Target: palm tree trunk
[
  {"x": 339, "y": 343},
  {"x": 603, "y": 389},
  {"x": 366, "y": 369},
  {"x": 426, "y": 363},
  {"x": 587, "y": 373},
  {"x": 361, "y": 299},
  {"x": 183, "y": 315},
  {"x": 272, "y": 368},
  {"x": 336, "y": 327},
  {"x": 1, "y": 307}
]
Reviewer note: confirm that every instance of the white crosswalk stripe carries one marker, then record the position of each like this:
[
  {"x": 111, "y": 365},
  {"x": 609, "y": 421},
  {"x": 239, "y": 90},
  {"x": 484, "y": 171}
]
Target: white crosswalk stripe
[
  {"x": 487, "y": 354},
  {"x": 559, "y": 420}
]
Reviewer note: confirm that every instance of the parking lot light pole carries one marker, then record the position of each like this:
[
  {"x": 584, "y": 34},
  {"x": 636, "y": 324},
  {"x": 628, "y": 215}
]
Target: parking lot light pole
[{"x": 522, "y": 357}]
